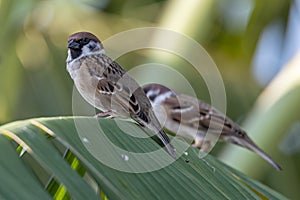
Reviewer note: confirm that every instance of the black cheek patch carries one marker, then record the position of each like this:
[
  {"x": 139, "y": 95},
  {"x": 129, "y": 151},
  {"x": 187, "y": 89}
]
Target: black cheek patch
[
  {"x": 152, "y": 97},
  {"x": 75, "y": 53},
  {"x": 91, "y": 46}
]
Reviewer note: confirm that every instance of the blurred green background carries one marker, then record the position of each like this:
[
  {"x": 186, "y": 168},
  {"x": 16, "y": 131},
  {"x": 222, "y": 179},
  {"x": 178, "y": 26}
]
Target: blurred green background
[{"x": 250, "y": 41}]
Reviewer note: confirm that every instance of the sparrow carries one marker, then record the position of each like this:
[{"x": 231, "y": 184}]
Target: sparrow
[
  {"x": 195, "y": 117},
  {"x": 105, "y": 85}
]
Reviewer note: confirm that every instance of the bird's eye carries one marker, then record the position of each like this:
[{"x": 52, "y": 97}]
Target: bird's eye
[{"x": 84, "y": 41}]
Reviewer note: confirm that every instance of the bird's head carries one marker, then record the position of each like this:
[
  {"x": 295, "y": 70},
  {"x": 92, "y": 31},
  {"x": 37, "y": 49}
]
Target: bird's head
[
  {"x": 82, "y": 44},
  {"x": 157, "y": 93}
]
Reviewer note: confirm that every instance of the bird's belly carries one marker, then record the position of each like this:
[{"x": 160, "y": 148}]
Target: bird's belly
[
  {"x": 88, "y": 90},
  {"x": 103, "y": 102}
]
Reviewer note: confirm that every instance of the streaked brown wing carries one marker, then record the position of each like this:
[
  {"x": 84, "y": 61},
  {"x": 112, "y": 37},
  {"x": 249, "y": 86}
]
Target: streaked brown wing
[
  {"x": 125, "y": 92},
  {"x": 194, "y": 113},
  {"x": 106, "y": 87}
]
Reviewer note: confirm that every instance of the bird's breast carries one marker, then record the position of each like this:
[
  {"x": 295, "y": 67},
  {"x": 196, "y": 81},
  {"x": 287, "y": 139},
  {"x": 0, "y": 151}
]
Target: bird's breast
[{"x": 72, "y": 68}]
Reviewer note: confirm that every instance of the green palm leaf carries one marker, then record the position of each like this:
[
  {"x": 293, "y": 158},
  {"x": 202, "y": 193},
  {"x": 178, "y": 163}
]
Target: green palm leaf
[{"x": 97, "y": 170}]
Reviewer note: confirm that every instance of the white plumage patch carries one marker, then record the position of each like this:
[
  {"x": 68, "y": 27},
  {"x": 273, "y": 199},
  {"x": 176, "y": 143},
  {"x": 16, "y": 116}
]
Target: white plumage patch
[
  {"x": 159, "y": 98},
  {"x": 162, "y": 97}
]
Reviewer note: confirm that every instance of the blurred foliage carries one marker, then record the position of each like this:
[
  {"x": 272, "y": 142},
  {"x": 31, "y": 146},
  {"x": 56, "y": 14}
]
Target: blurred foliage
[{"x": 34, "y": 82}]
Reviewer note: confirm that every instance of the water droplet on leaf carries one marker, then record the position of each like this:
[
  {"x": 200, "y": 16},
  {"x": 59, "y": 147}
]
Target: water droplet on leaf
[
  {"x": 124, "y": 157},
  {"x": 85, "y": 140}
]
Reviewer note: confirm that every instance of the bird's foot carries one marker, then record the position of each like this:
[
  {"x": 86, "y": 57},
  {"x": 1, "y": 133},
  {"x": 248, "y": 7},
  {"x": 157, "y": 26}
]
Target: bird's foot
[
  {"x": 106, "y": 114},
  {"x": 203, "y": 145}
]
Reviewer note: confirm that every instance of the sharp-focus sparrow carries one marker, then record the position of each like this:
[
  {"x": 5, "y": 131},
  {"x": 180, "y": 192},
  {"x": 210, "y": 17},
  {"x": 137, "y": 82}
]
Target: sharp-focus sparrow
[
  {"x": 195, "y": 117},
  {"x": 105, "y": 84}
]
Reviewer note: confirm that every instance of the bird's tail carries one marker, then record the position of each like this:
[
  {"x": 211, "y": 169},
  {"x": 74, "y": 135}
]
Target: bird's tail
[
  {"x": 249, "y": 144},
  {"x": 155, "y": 126},
  {"x": 166, "y": 141}
]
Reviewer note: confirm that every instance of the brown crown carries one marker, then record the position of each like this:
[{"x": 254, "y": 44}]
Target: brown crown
[{"x": 81, "y": 35}]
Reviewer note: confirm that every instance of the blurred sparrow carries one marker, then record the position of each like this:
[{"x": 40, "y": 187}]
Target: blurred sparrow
[
  {"x": 193, "y": 118},
  {"x": 105, "y": 84}
]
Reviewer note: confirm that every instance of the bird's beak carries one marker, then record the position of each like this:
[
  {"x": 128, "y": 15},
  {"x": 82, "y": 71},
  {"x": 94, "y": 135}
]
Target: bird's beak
[{"x": 72, "y": 44}]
